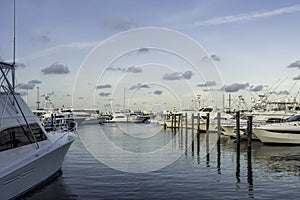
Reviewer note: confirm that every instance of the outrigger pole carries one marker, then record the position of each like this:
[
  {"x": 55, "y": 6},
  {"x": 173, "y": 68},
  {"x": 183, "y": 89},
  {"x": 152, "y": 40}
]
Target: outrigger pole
[{"x": 14, "y": 51}]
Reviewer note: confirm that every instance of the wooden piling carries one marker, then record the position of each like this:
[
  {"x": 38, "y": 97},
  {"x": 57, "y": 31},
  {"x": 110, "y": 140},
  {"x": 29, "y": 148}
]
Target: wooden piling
[
  {"x": 175, "y": 116},
  {"x": 186, "y": 132},
  {"x": 186, "y": 123},
  {"x": 249, "y": 153},
  {"x": 193, "y": 124},
  {"x": 179, "y": 119},
  {"x": 219, "y": 125},
  {"x": 207, "y": 133},
  {"x": 238, "y": 134},
  {"x": 193, "y": 133},
  {"x": 198, "y": 123},
  {"x": 181, "y": 122},
  {"x": 249, "y": 128},
  {"x": 219, "y": 144}
]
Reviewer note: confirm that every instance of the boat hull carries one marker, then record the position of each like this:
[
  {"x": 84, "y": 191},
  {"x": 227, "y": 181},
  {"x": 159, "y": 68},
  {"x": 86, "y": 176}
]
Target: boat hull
[
  {"x": 278, "y": 136},
  {"x": 28, "y": 176}
]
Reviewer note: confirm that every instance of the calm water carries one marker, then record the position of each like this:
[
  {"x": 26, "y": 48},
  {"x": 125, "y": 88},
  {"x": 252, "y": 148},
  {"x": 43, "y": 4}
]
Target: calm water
[{"x": 273, "y": 171}]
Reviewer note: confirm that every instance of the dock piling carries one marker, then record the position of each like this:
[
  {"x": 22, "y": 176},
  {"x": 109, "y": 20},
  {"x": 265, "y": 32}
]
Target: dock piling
[
  {"x": 249, "y": 129},
  {"x": 198, "y": 123},
  {"x": 207, "y": 133},
  {"x": 238, "y": 134},
  {"x": 193, "y": 134},
  {"x": 219, "y": 125}
]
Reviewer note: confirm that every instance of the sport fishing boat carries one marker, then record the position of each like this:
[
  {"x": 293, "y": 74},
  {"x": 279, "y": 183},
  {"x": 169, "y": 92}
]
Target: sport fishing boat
[
  {"x": 287, "y": 132},
  {"x": 29, "y": 156}
]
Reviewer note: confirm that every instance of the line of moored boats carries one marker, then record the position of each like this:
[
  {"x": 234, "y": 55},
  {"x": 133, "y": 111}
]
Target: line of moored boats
[{"x": 274, "y": 126}]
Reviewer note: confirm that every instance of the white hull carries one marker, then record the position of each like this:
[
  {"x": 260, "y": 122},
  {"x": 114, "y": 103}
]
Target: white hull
[
  {"x": 28, "y": 154},
  {"x": 33, "y": 170},
  {"x": 278, "y": 135},
  {"x": 122, "y": 118}
]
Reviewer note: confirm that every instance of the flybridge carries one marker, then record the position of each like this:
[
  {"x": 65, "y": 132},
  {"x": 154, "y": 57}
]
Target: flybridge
[{"x": 4, "y": 65}]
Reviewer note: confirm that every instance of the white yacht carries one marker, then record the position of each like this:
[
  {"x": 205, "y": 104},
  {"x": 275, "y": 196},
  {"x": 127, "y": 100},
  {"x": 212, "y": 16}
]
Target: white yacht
[
  {"x": 49, "y": 112},
  {"x": 280, "y": 133},
  {"x": 120, "y": 117},
  {"x": 29, "y": 156}
]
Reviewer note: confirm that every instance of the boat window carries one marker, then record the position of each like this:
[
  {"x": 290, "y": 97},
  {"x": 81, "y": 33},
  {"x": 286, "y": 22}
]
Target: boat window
[
  {"x": 120, "y": 117},
  {"x": 19, "y": 136},
  {"x": 206, "y": 110},
  {"x": 294, "y": 118}
]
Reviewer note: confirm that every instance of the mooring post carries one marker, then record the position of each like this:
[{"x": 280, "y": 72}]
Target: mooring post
[
  {"x": 249, "y": 128},
  {"x": 181, "y": 122},
  {"x": 193, "y": 124},
  {"x": 193, "y": 134},
  {"x": 175, "y": 121},
  {"x": 238, "y": 134},
  {"x": 186, "y": 132},
  {"x": 186, "y": 122},
  {"x": 219, "y": 125},
  {"x": 249, "y": 154},
  {"x": 198, "y": 123},
  {"x": 198, "y": 144},
  {"x": 219, "y": 156},
  {"x": 179, "y": 119},
  {"x": 172, "y": 120},
  {"x": 219, "y": 143},
  {"x": 207, "y": 133}
]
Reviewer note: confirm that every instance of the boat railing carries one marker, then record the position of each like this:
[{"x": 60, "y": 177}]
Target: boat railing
[
  {"x": 60, "y": 125},
  {"x": 67, "y": 133}
]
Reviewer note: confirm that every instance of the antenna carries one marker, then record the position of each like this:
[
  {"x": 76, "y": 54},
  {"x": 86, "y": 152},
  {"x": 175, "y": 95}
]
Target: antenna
[
  {"x": 14, "y": 50},
  {"x": 124, "y": 99}
]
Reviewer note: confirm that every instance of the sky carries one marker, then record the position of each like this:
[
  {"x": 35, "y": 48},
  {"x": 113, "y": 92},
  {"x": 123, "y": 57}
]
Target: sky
[{"x": 153, "y": 55}]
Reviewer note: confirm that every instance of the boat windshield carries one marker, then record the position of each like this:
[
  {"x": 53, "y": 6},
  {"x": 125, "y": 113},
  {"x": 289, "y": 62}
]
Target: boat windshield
[
  {"x": 294, "y": 118},
  {"x": 19, "y": 136}
]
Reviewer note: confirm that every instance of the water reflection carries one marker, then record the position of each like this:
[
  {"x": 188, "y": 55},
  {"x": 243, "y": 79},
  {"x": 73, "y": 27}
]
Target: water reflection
[
  {"x": 58, "y": 189},
  {"x": 249, "y": 171},
  {"x": 231, "y": 170},
  {"x": 278, "y": 159},
  {"x": 271, "y": 159},
  {"x": 238, "y": 164}
]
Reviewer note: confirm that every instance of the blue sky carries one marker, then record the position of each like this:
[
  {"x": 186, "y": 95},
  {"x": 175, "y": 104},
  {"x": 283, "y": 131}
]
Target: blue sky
[{"x": 251, "y": 43}]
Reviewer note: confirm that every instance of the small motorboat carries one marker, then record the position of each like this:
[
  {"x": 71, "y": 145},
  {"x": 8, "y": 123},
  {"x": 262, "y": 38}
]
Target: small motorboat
[{"x": 287, "y": 132}]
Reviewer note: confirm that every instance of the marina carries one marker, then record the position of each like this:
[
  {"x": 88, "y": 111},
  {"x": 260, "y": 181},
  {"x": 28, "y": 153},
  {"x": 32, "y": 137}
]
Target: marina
[
  {"x": 226, "y": 173},
  {"x": 155, "y": 100}
]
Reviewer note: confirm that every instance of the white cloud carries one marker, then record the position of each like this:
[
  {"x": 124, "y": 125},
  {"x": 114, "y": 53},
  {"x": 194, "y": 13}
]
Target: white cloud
[
  {"x": 56, "y": 68},
  {"x": 119, "y": 23},
  {"x": 235, "y": 87},
  {"x": 104, "y": 86},
  {"x": 247, "y": 16},
  {"x": 134, "y": 69},
  {"x": 178, "y": 75},
  {"x": 139, "y": 86},
  {"x": 295, "y": 64},
  {"x": 157, "y": 92},
  {"x": 55, "y": 49}
]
